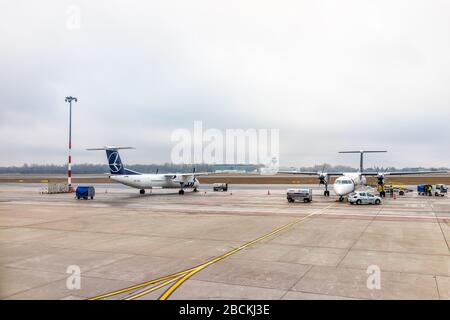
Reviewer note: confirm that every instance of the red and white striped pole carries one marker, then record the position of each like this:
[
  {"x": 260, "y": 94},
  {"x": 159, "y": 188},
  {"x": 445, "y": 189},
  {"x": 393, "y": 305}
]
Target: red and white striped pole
[{"x": 69, "y": 164}]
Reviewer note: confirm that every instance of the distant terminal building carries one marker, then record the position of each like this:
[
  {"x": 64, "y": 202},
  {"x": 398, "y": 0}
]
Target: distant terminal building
[{"x": 234, "y": 168}]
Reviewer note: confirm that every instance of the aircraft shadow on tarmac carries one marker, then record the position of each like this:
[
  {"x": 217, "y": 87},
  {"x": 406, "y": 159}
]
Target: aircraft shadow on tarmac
[{"x": 156, "y": 194}]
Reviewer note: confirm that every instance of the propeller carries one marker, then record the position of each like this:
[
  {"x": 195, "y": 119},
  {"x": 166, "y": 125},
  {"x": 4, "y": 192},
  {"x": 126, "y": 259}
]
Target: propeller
[
  {"x": 380, "y": 177},
  {"x": 323, "y": 179},
  {"x": 323, "y": 176}
]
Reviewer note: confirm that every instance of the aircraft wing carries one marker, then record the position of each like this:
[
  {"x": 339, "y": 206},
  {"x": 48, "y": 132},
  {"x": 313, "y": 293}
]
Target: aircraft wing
[
  {"x": 310, "y": 173},
  {"x": 200, "y": 173},
  {"x": 402, "y": 173},
  {"x": 190, "y": 174},
  {"x": 372, "y": 173},
  {"x": 184, "y": 176}
]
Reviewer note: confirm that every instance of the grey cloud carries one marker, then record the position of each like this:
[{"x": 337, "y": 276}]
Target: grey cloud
[{"x": 330, "y": 75}]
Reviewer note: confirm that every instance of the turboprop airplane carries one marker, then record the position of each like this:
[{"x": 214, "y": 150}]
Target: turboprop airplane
[
  {"x": 143, "y": 181},
  {"x": 348, "y": 182}
]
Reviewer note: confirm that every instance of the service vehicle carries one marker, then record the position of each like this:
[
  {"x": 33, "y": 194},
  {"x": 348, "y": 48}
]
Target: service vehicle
[
  {"x": 85, "y": 192},
  {"x": 299, "y": 194},
  {"x": 400, "y": 189},
  {"x": 220, "y": 187},
  {"x": 440, "y": 190},
  {"x": 425, "y": 190}
]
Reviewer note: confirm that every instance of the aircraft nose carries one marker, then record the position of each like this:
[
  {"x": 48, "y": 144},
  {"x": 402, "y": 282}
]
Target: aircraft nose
[
  {"x": 338, "y": 189},
  {"x": 343, "y": 189}
]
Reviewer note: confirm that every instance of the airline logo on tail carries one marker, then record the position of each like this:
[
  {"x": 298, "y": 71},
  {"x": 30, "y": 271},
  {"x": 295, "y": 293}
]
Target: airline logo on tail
[
  {"x": 114, "y": 162},
  {"x": 115, "y": 165}
]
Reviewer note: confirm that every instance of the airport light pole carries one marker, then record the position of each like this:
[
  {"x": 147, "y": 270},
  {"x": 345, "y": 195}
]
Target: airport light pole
[{"x": 69, "y": 164}]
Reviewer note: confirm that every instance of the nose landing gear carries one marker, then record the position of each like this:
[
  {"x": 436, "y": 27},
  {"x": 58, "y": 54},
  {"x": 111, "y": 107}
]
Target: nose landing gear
[
  {"x": 341, "y": 199},
  {"x": 142, "y": 191}
]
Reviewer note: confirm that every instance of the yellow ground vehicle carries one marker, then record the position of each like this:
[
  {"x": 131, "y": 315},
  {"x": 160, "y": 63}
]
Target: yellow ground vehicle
[{"x": 400, "y": 189}]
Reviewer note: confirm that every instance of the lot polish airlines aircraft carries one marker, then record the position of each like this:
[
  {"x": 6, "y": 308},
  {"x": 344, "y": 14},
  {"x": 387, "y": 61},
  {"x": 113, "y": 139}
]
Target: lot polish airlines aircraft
[
  {"x": 143, "y": 181},
  {"x": 348, "y": 182}
]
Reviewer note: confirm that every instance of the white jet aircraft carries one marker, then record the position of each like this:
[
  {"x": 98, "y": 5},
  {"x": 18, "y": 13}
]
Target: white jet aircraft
[
  {"x": 143, "y": 181},
  {"x": 348, "y": 182}
]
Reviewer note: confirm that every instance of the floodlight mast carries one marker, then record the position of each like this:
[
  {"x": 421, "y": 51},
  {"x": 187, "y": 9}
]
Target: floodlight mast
[{"x": 69, "y": 99}]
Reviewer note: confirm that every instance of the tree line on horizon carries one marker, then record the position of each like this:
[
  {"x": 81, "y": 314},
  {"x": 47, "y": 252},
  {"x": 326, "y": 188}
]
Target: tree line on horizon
[{"x": 88, "y": 168}]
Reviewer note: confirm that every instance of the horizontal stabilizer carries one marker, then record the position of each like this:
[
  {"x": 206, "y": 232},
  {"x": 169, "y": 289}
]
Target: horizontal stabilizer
[
  {"x": 109, "y": 148},
  {"x": 361, "y": 155},
  {"x": 363, "y": 151}
]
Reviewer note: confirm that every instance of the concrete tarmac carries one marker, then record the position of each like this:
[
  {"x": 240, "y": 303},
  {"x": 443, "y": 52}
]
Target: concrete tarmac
[{"x": 242, "y": 244}]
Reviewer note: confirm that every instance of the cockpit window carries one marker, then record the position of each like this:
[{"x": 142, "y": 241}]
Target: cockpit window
[{"x": 343, "y": 182}]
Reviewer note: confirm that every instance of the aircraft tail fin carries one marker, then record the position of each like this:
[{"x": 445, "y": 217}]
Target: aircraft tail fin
[
  {"x": 116, "y": 166},
  {"x": 362, "y": 152}
]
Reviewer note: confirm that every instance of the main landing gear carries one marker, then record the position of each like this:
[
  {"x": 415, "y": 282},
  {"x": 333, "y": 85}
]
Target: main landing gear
[
  {"x": 326, "y": 193},
  {"x": 142, "y": 191},
  {"x": 181, "y": 191},
  {"x": 182, "y": 186}
]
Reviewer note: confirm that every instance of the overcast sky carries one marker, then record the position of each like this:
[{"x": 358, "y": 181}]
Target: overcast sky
[{"x": 330, "y": 75}]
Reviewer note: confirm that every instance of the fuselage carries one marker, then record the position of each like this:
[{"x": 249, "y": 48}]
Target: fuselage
[
  {"x": 149, "y": 181},
  {"x": 348, "y": 183}
]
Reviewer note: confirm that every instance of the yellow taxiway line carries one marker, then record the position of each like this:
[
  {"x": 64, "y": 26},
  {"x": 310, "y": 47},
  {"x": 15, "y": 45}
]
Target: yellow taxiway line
[
  {"x": 144, "y": 284},
  {"x": 143, "y": 293},
  {"x": 184, "y": 275}
]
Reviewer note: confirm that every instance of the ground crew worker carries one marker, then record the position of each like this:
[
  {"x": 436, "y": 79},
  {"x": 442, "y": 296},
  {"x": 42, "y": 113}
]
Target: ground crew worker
[
  {"x": 380, "y": 190},
  {"x": 391, "y": 188}
]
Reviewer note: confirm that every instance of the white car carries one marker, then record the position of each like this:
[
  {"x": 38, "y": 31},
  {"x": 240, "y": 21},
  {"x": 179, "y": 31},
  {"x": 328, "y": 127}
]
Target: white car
[{"x": 363, "y": 197}]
